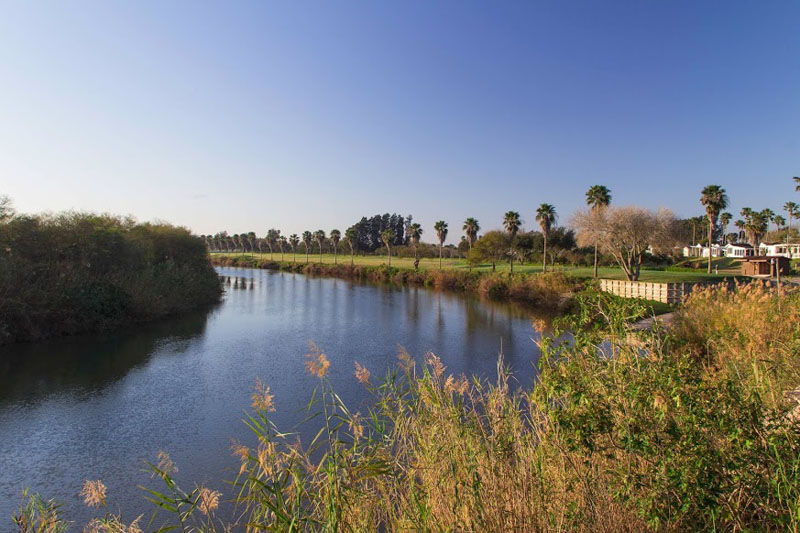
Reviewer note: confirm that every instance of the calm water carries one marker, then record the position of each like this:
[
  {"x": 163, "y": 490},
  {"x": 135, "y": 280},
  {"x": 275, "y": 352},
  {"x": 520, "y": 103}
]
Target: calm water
[{"x": 97, "y": 407}]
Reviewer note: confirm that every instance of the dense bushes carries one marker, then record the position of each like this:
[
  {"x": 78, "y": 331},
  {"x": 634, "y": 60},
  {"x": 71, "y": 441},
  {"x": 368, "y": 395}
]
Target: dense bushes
[
  {"x": 554, "y": 290},
  {"x": 76, "y": 272}
]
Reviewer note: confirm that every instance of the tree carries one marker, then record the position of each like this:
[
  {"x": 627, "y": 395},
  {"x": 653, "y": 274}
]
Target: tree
[
  {"x": 769, "y": 216},
  {"x": 725, "y": 219},
  {"x": 319, "y": 237},
  {"x": 294, "y": 240},
  {"x": 336, "y": 236},
  {"x": 441, "y": 233},
  {"x": 492, "y": 247},
  {"x": 281, "y": 243},
  {"x": 6, "y": 208},
  {"x": 351, "y": 238},
  {"x": 387, "y": 236},
  {"x": 251, "y": 241},
  {"x": 791, "y": 209},
  {"x": 779, "y": 222},
  {"x": 796, "y": 183},
  {"x": 626, "y": 233},
  {"x": 471, "y": 229},
  {"x": 597, "y": 197},
  {"x": 511, "y": 223},
  {"x": 546, "y": 216},
  {"x": 756, "y": 227},
  {"x": 739, "y": 226},
  {"x": 414, "y": 235},
  {"x": 308, "y": 238},
  {"x": 714, "y": 199}
]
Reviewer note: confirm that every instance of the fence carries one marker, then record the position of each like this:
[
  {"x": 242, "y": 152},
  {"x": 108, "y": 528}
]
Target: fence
[{"x": 670, "y": 293}]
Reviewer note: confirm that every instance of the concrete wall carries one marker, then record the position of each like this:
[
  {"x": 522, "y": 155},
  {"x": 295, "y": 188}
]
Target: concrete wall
[{"x": 670, "y": 293}]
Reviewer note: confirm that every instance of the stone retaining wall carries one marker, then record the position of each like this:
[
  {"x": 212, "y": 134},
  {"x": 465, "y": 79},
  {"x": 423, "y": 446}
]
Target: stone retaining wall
[{"x": 670, "y": 293}]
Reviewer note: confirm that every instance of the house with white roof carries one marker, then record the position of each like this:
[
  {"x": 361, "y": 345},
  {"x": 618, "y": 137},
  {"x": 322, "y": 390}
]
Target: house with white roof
[{"x": 738, "y": 249}]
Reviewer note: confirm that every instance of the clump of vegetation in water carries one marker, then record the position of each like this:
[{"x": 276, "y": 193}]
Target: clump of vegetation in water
[
  {"x": 625, "y": 430},
  {"x": 78, "y": 272}
]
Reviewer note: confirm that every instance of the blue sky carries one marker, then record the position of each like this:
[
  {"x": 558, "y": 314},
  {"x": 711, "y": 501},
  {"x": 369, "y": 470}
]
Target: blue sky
[{"x": 305, "y": 115}]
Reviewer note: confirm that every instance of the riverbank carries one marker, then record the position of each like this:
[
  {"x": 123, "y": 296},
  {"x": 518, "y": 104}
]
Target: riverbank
[{"x": 553, "y": 290}]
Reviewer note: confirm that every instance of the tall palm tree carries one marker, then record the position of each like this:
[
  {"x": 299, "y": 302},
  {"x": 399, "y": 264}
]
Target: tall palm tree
[
  {"x": 294, "y": 240},
  {"x": 351, "y": 237},
  {"x": 796, "y": 183},
  {"x": 471, "y": 229},
  {"x": 319, "y": 236},
  {"x": 441, "y": 233},
  {"x": 308, "y": 238},
  {"x": 281, "y": 243},
  {"x": 714, "y": 199},
  {"x": 414, "y": 235},
  {"x": 779, "y": 222},
  {"x": 791, "y": 209},
  {"x": 740, "y": 226},
  {"x": 387, "y": 236},
  {"x": 546, "y": 216},
  {"x": 725, "y": 219},
  {"x": 336, "y": 236},
  {"x": 769, "y": 216},
  {"x": 251, "y": 241},
  {"x": 597, "y": 197},
  {"x": 756, "y": 227},
  {"x": 511, "y": 223}
]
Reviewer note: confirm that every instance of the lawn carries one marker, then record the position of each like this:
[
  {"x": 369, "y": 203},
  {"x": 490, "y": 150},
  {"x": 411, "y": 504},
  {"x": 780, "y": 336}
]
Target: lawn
[{"x": 461, "y": 264}]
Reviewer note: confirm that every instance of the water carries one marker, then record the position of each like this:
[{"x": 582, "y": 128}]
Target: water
[{"x": 97, "y": 407}]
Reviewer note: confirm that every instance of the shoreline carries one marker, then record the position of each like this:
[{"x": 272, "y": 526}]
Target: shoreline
[{"x": 554, "y": 290}]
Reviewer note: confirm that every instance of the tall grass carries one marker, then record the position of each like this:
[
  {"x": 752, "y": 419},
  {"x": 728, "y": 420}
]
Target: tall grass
[{"x": 626, "y": 430}]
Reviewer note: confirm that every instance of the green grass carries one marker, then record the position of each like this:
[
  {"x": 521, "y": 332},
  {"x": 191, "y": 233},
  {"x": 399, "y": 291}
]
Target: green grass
[{"x": 461, "y": 264}]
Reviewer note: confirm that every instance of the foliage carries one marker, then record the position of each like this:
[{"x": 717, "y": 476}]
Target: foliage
[{"x": 77, "y": 272}]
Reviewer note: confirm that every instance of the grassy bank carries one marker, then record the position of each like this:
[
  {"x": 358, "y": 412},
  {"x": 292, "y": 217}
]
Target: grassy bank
[
  {"x": 553, "y": 290},
  {"x": 687, "y": 429},
  {"x": 74, "y": 273},
  {"x": 659, "y": 274}
]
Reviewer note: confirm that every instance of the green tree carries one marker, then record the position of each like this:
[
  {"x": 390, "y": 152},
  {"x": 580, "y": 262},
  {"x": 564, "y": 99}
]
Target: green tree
[
  {"x": 441, "y": 233},
  {"x": 351, "y": 238},
  {"x": 511, "y": 223},
  {"x": 294, "y": 240},
  {"x": 740, "y": 226},
  {"x": 796, "y": 183},
  {"x": 492, "y": 246},
  {"x": 281, "y": 243},
  {"x": 546, "y": 216},
  {"x": 779, "y": 222},
  {"x": 597, "y": 197},
  {"x": 725, "y": 219},
  {"x": 791, "y": 209},
  {"x": 336, "y": 236},
  {"x": 714, "y": 199},
  {"x": 308, "y": 238},
  {"x": 471, "y": 229},
  {"x": 319, "y": 237},
  {"x": 769, "y": 216},
  {"x": 387, "y": 236},
  {"x": 414, "y": 235},
  {"x": 756, "y": 227}
]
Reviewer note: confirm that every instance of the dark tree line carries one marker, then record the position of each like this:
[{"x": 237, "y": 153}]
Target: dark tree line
[{"x": 369, "y": 231}]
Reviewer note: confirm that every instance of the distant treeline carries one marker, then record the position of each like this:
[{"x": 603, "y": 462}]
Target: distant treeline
[{"x": 77, "y": 272}]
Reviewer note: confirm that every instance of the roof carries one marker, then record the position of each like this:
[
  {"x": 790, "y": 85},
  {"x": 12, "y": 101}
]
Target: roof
[
  {"x": 740, "y": 244},
  {"x": 764, "y": 258}
]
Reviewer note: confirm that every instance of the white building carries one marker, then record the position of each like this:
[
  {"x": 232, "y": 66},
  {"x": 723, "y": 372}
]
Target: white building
[
  {"x": 738, "y": 249},
  {"x": 791, "y": 250},
  {"x": 698, "y": 250}
]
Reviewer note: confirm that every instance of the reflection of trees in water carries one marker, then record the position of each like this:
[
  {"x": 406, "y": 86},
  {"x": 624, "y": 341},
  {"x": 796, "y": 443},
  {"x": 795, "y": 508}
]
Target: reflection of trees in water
[{"x": 85, "y": 363}]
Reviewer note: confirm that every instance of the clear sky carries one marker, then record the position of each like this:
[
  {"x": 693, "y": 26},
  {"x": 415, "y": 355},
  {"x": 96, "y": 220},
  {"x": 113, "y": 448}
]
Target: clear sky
[{"x": 307, "y": 115}]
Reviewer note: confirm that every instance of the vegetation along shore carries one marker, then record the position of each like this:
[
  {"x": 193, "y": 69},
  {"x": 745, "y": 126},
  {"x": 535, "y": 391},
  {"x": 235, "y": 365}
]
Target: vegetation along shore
[{"x": 73, "y": 273}]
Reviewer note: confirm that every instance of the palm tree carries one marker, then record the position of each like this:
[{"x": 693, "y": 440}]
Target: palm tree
[
  {"x": 471, "y": 229},
  {"x": 725, "y": 219},
  {"x": 511, "y": 223},
  {"x": 740, "y": 226},
  {"x": 796, "y": 183},
  {"x": 308, "y": 238},
  {"x": 714, "y": 199},
  {"x": 387, "y": 236},
  {"x": 351, "y": 237},
  {"x": 294, "y": 240},
  {"x": 779, "y": 222},
  {"x": 597, "y": 197},
  {"x": 546, "y": 216},
  {"x": 281, "y": 243},
  {"x": 414, "y": 234},
  {"x": 441, "y": 232},
  {"x": 756, "y": 227},
  {"x": 336, "y": 236},
  {"x": 769, "y": 216},
  {"x": 791, "y": 209},
  {"x": 251, "y": 240},
  {"x": 319, "y": 236}
]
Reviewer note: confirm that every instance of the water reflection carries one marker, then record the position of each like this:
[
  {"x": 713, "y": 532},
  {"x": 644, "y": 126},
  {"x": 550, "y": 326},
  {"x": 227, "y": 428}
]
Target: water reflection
[{"x": 98, "y": 406}]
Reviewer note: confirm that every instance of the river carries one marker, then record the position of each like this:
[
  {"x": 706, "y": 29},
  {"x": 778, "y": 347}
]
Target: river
[{"x": 99, "y": 406}]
